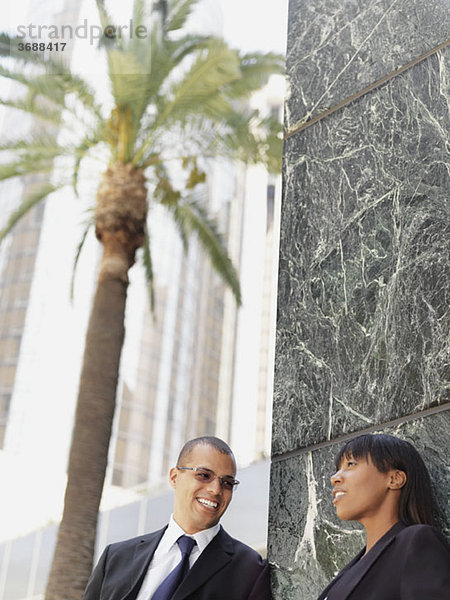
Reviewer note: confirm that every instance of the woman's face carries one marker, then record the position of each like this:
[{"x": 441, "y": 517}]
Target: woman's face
[{"x": 360, "y": 490}]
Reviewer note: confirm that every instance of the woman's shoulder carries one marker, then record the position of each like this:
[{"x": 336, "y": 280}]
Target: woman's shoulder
[{"x": 423, "y": 534}]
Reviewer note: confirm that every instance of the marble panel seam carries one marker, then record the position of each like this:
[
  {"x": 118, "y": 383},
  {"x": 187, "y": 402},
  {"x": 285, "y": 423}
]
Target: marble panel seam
[
  {"x": 343, "y": 438},
  {"x": 304, "y": 124}
]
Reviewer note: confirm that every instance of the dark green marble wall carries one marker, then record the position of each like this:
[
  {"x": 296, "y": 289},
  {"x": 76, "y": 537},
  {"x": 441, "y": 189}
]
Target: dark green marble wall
[{"x": 363, "y": 340}]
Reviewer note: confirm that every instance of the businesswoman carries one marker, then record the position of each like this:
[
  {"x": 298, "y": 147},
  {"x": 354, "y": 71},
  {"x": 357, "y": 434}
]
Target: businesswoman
[{"x": 382, "y": 482}]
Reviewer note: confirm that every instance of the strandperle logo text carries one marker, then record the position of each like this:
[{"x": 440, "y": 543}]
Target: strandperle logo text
[{"x": 83, "y": 31}]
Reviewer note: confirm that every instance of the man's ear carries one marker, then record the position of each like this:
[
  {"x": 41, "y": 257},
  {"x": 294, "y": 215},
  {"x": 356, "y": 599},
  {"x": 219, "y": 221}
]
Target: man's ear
[
  {"x": 397, "y": 479},
  {"x": 173, "y": 474}
]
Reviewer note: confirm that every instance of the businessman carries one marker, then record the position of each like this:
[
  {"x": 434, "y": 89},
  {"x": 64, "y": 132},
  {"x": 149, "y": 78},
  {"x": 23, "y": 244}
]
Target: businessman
[{"x": 192, "y": 558}]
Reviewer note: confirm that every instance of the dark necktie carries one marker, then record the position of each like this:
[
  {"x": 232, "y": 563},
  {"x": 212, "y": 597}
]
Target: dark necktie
[{"x": 167, "y": 588}]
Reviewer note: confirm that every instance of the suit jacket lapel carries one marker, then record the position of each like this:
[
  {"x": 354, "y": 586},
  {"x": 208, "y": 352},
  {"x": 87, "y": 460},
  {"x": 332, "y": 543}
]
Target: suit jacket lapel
[
  {"x": 143, "y": 553},
  {"x": 214, "y": 557},
  {"x": 333, "y": 583},
  {"x": 351, "y": 575}
]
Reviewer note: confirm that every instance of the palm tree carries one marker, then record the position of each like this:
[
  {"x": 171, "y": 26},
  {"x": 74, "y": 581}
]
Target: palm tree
[{"x": 176, "y": 98}]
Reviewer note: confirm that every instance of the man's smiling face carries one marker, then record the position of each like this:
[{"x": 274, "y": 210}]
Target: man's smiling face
[{"x": 200, "y": 505}]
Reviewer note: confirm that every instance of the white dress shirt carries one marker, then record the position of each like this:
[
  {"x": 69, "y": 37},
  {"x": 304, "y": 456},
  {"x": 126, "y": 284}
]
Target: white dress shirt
[{"x": 167, "y": 555}]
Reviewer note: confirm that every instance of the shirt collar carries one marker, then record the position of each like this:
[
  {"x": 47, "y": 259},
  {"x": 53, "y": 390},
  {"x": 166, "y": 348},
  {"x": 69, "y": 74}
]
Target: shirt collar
[{"x": 203, "y": 538}]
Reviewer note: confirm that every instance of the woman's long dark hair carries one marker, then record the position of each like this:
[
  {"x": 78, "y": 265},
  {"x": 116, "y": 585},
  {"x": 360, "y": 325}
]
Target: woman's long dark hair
[{"x": 388, "y": 452}]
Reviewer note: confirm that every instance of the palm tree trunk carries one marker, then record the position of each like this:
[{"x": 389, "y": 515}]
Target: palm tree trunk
[
  {"x": 119, "y": 225},
  {"x": 74, "y": 551}
]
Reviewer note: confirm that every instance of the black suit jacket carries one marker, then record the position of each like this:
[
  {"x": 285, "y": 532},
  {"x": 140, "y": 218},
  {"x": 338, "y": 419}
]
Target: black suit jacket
[
  {"x": 407, "y": 563},
  {"x": 226, "y": 570}
]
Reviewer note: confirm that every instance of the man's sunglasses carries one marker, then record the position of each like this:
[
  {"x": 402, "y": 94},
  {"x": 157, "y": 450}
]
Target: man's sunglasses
[{"x": 205, "y": 476}]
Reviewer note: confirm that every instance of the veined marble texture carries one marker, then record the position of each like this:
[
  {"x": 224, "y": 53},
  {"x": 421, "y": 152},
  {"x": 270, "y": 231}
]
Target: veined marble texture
[
  {"x": 308, "y": 544},
  {"x": 363, "y": 324},
  {"x": 338, "y": 47},
  {"x": 363, "y": 328}
]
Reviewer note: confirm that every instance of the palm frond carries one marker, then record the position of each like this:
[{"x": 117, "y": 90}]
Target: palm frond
[
  {"x": 141, "y": 45},
  {"x": 126, "y": 65},
  {"x": 139, "y": 13},
  {"x": 197, "y": 90},
  {"x": 231, "y": 135},
  {"x": 80, "y": 152},
  {"x": 35, "y": 155},
  {"x": 89, "y": 223},
  {"x": 185, "y": 46},
  {"x": 198, "y": 135},
  {"x": 250, "y": 138},
  {"x": 30, "y": 106},
  {"x": 54, "y": 88},
  {"x": 255, "y": 69},
  {"x": 178, "y": 14},
  {"x": 44, "y": 85},
  {"x": 6, "y": 42},
  {"x": 73, "y": 84},
  {"x": 25, "y": 166},
  {"x": 128, "y": 77},
  {"x": 9, "y": 48},
  {"x": 191, "y": 217},
  {"x": 109, "y": 40},
  {"x": 158, "y": 58},
  {"x": 41, "y": 144},
  {"x": 164, "y": 192},
  {"x": 26, "y": 205},
  {"x": 215, "y": 66},
  {"x": 53, "y": 80},
  {"x": 271, "y": 143},
  {"x": 148, "y": 268}
]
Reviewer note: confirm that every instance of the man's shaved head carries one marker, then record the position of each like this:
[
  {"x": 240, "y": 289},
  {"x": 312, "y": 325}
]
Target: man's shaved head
[{"x": 206, "y": 440}]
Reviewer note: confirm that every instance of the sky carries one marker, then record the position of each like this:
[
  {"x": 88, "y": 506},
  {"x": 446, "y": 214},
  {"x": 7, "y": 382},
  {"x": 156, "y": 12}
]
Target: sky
[{"x": 256, "y": 24}]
